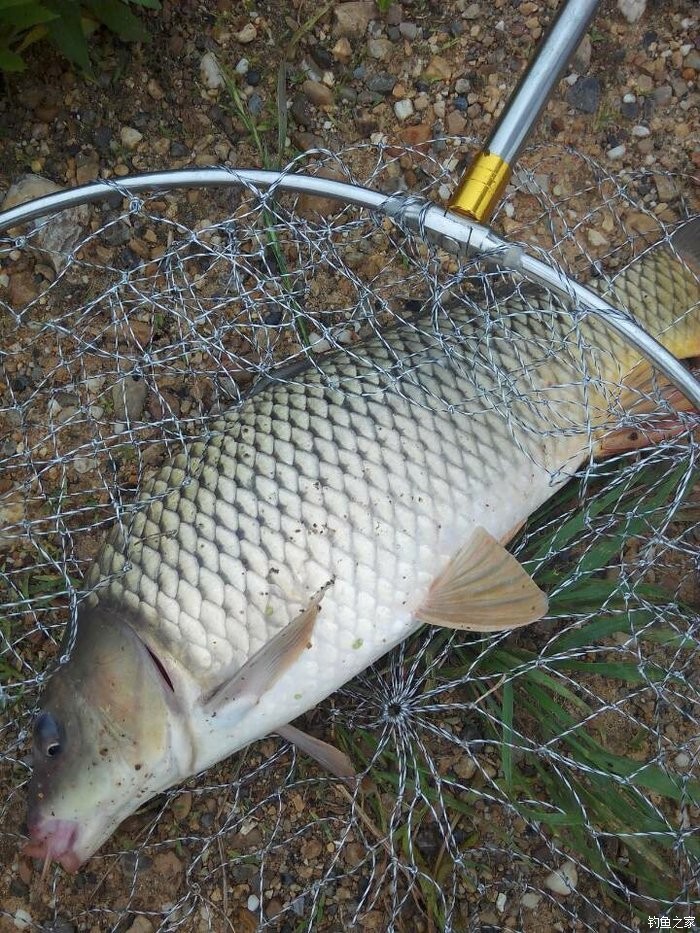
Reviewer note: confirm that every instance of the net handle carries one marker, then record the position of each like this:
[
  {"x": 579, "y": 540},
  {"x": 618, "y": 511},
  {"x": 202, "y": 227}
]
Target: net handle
[{"x": 484, "y": 182}]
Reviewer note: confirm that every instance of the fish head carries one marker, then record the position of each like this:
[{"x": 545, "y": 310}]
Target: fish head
[{"x": 110, "y": 734}]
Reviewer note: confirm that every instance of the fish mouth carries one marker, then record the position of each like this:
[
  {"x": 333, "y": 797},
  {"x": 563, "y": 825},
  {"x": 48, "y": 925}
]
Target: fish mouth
[{"x": 54, "y": 841}]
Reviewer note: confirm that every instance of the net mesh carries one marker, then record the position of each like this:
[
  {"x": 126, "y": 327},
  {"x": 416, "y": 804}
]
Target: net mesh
[{"x": 546, "y": 779}]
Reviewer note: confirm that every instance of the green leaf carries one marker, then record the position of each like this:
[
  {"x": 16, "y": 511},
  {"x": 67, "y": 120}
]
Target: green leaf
[
  {"x": 11, "y": 61},
  {"x": 5, "y": 4},
  {"x": 66, "y": 32},
  {"x": 507, "y": 743},
  {"x": 117, "y": 17},
  {"x": 26, "y": 17}
]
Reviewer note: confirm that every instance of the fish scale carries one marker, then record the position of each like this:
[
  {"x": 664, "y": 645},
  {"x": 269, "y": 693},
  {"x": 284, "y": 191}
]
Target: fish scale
[{"x": 303, "y": 484}]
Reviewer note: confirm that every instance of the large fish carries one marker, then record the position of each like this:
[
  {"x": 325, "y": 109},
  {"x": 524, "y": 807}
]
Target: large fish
[{"x": 319, "y": 524}]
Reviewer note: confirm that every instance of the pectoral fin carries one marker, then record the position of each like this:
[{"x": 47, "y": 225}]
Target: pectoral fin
[
  {"x": 483, "y": 589},
  {"x": 328, "y": 756},
  {"x": 268, "y": 664}
]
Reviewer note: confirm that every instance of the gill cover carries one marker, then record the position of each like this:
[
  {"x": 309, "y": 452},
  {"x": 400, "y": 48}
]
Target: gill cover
[{"x": 102, "y": 741}]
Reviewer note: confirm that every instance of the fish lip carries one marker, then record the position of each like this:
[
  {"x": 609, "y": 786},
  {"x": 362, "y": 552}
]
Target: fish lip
[{"x": 54, "y": 841}]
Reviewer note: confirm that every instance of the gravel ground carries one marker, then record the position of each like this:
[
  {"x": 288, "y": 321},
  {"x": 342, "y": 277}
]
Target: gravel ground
[{"x": 417, "y": 72}]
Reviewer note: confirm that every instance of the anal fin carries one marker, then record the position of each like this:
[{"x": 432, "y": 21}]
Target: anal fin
[
  {"x": 484, "y": 589},
  {"x": 328, "y": 756}
]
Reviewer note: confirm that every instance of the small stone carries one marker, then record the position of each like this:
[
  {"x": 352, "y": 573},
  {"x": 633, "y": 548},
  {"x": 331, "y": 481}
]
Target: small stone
[
  {"x": 210, "y": 72},
  {"x": 629, "y": 108},
  {"x": 473, "y": 11},
  {"x": 130, "y": 137},
  {"x": 403, "y": 109},
  {"x": 416, "y": 135},
  {"x": 353, "y": 18},
  {"x": 382, "y": 83},
  {"x": 22, "y": 919},
  {"x": 255, "y": 104},
  {"x": 456, "y": 123},
  {"x": 616, "y": 152},
  {"x": 585, "y": 95},
  {"x": 501, "y": 902},
  {"x": 379, "y": 48},
  {"x": 682, "y": 761},
  {"x": 155, "y": 90},
  {"x": 463, "y": 86},
  {"x": 178, "y": 150},
  {"x": 596, "y": 239},
  {"x": 530, "y": 900},
  {"x": 253, "y": 903},
  {"x": 243, "y": 67},
  {"x": 317, "y": 93},
  {"x": 182, "y": 805},
  {"x": 408, "y": 31},
  {"x": 666, "y": 188},
  {"x": 632, "y": 10},
  {"x": 83, "y": 465},
  {"x": 640, "y": 131},
  {"x": 247, "y": 35},
  {"x": 692, "y": 60},
  {"x": 438, "y": 69},
  {"x": 564, "y": 880},
  {"x": 662, "y": 95},
  {"x": 342, "y": 51},
  {"x": 581, "y": 60},
  {"x": 167, "y": 864},
  {"x": 253, "y": 77},
  {"x": 129, "y": 398}
]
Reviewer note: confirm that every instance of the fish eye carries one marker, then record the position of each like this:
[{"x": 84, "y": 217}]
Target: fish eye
[{"x": 47, "y": 735}]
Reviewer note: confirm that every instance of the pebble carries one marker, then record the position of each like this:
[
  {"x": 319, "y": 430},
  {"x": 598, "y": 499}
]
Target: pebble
[
  {"x": 210, "y": 72},
  {"x": 317, "y": 93},
  {"x": 130, "y": 137},
  {"x": 243, "y": 67},
  {"x": 584, "y": 96},
  {"x": 353, "y": 18},
  {"x": 408, "y": 31},
  {"x": 632, "y": 10},
  {"x": 530, "y": 900},
  {"x": 255, "y": 104},
  {"x": 22, "y": 919},
  {"x": 382, "y": 83},
  {"x": 379, "y": 49},
  {"x": 596, "y": 239},
  {"x": 58, "y": 235},
  {"x": 616, "y": 152},
  {"x": 501, "y": 902},
  {"x": 83, "y": 465},
  {"x": 473, "y": 11},
  {"x": 682, "y": 761},
  {"x": 403, "y": 109},
  {"x": 342, "y": 51},
  {"x": 640, "y": 131},
  {"x": 129, "y": 398},
  {"x": 662, "y": 95},
  {"x": 463, "y": 86},
  {"x": 629, "y": 108},
  {"x": 581, "y": 60},
  {"x": 692, "y": 60},
  {"x": 438, "y": 69},
  {"x": 253, "y": 903},
  {"x": 247, "y": 35},
  {"x": 564, "y": 880}
]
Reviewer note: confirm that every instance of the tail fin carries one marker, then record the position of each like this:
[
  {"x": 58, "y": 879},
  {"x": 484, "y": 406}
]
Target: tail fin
[{"x": 662, "y": 290}]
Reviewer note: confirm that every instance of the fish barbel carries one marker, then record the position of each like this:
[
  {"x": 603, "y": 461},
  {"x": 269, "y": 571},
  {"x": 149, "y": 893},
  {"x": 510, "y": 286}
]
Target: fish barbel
[{"x": 319, "y": 524}]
